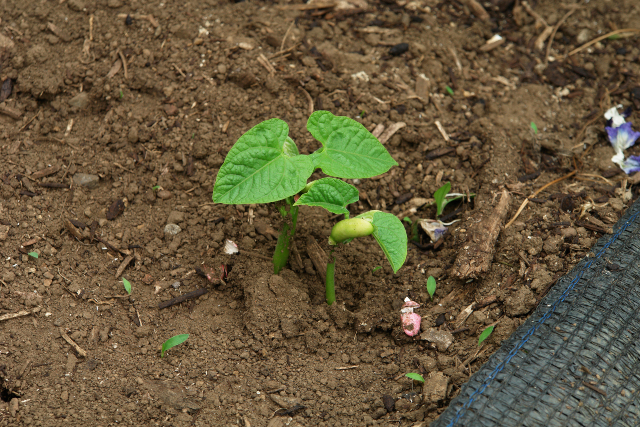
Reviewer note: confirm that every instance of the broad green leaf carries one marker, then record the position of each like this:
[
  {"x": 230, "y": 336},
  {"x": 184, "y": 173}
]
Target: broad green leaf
[
  {"x": 330, "y": 193},
  {"x": 431, "y": 286},
  {"x": 440, "y": 197},
  {"x": 172, "y": 342},
  {"x": 262, "y": 167},
  {"x": 485, "y": 334},
  {"x": 348, "y": 150},
  {"x": 390, "y": 235},
  {"x": 415, "y": 377},
  {"x": 127, "y": 285},
  {"x": 33, "y": 254}
]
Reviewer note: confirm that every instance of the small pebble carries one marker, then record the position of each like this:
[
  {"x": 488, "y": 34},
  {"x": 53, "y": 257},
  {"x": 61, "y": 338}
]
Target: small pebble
[
  {"x": 399, "y": 49},
  {"x": 164, "y": 194},
  {"x": 171, "y": 230},
  {"x": 175, "y": 285}
]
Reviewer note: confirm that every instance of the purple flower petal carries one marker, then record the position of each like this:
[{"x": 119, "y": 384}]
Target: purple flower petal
[
  {"x": 631, "y": 165},
  {"x": 622, "y": 137}
]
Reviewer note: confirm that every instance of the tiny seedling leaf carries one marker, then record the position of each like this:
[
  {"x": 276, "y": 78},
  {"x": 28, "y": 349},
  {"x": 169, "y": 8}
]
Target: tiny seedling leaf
[
  {"x": 348, "y": 150},
  {"x": 376, "y": 268},
  {"x": 33, "y": 254},
  {"x": 431, "y": 286},
  {"x": 127, "y": 285},
  {"x": 449, "y": 91},
  {"x": 407, "y": 220},
  {"x": 390, "y": 235},
  {"x": 485, "y": 334},
  {"x": 155, "y": 187},
  {"x": 440, "y": 197},
  {"x": 262, "y": 167},
  {"x": 172, "y": 342},
  {"x": 534, "y": 128},
  {"x": 330, "y": 193},
  {"x": 415, "y": 377}
]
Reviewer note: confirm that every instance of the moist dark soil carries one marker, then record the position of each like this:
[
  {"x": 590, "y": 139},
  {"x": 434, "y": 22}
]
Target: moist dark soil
[{"x": 116, "y": 116}]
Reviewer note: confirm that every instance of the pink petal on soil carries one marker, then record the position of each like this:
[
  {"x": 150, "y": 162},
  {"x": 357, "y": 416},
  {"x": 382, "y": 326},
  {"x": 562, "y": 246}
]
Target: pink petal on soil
[
  {"x": 411, "y": 304},
  {"x": 411, "y": 323}
]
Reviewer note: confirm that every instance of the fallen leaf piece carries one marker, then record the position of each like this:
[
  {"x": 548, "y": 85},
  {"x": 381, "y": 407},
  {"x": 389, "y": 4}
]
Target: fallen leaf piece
[{"x": 115, "y": 209}]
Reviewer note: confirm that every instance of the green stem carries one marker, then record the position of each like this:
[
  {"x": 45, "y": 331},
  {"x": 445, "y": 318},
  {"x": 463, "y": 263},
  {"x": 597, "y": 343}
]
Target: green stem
[
  {"x": 283, "y": 247},
  {"x": 330, "y": 288}
]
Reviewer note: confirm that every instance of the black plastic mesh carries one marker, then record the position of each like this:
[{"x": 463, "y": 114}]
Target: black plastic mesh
[{"x": 586, "y": 330}]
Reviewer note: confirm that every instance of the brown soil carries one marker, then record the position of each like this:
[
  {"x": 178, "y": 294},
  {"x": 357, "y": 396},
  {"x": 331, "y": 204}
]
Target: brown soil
[{"x": 264, "y": 349}]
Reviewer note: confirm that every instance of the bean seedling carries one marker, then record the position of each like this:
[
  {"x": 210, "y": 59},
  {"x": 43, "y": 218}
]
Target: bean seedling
[
  {"x": 265, "y": 166},
  {"x": 431, "y": 286},
  {"x": 442, "y": 197},
  {"x": 415, "y": 377},
  {"x": 485, "y": 334},
  {"x": 172, "y": 342},
  {"x": 127, "y": 285}
]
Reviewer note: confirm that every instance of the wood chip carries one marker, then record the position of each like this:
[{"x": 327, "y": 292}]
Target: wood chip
[
  {"x": 442, "y": 131},
  {"x": 123, "y": 265},
  {"x": 115, "y": 209},
  {"x": 377, "y": 131},
  {"x": 318, "y": 257},
  {"x": 114, "y": 69},
  {"x": 44, "y": 172},
  {"x": 477, "y": 9},
  {"x": 476, "y": 253},
  {"x": 391, "y": 130},
  {"x": 14, "y": 315},
  {"x": 423, "y": 85},
  {"x": 11, "y": 112},
  {"x": 72, "y": 229},
  {"x": 77, "y": 348}
]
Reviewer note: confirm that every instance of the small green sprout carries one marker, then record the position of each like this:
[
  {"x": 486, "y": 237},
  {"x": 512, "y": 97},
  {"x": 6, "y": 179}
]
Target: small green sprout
[
  {"x": 440, "y": 197},
  {"x": 534, "y": 128},
  {"x": 449, "y": 90},
  {"x": 155, "y": 187},
  {"x": 121, "y": 94},
  {"x": 172, "y": 342},
  {"x": 485, "y": 334},
  {"x": 33, "y": 254},
  {"x": 379, "y": 267},
  {"x": 127, "y": 285},
  {"x": 431, "y": 286},
  {"x": 415, "y": 377},
  {"x": 614, "y": 37},
  {"x": 265, "y": 166}
]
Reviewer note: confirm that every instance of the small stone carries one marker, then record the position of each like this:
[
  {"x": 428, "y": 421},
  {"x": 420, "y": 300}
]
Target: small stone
[
  {"x": 520, "y": 303},
  {"x": 442, "y": 339},
  {"x": 569, "y": 232},
  {"x": 399, "y": 49},
  {"x": 284, "y": 401},
  {"x": 175, "y": 217},
  {"x": 222, "y": 69},
  {"x": 80, "y": 100},
  {"x": 8, "y": 276},
  {"x": 86, "y": 180},
  {"x": 13, "y": 407},
  {"x": 175, "y": 285},
  {"x": 198, "y": 41},
  {"x": 4, "y": 232},
  {"x": 170, "y": 110},
  {"x": 76, "y": 5},
  {"x": 64, "y": 396},
  {"x": 71, "y": 363},
  {"x": 583, "y": 36},
  {"x": 114, "y": 3},
  {"x": 388, "y": 402},
  {"x": 552, "y": 244},
  {"x": 171, "y": 230},
  {"x": 102, "y": 222},
  {"x": 133, "y": 135},
  {"x": 164, "y": 194},
  {"x": 435, "y": 386}
]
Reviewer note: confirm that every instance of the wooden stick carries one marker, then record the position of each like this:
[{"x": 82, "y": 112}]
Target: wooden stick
[
  {"x": 123, "y": 265},
  {"x": 77, "y": 348},
  {"x": 124, "y": 64},
  {"x": 14, "y": 315},
  {"x": 476, "y": 254},
  {"x": 177, "y": 300},
  {"x": 555, "y": 30},
  {"x": 535, "y": 193},
  {"x": 597, "y": 39}
]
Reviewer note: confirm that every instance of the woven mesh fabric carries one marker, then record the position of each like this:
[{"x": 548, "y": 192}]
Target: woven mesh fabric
[{"x": 586, "y": 330}]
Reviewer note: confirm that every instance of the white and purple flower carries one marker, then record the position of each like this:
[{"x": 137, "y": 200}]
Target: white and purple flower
[{"x": 622, "y": 136}]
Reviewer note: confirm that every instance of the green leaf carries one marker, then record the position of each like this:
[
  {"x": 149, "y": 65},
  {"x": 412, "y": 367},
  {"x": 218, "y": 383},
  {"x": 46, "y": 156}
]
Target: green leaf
[
  {"x": 390, "y": 235},
  {"x": 439, "y": 196},
  {"x": 155, "y": 187},
  {"x": 330, "y": 193},
  {"x": 534, "y": 128},
  {"x": 407, "y": 220},
  {"x": 485, "y": 334},
  {"x": 431, "y": 286},
  {"x": 349, "y": 149},
  {"x": 33, "y": 254},
  {"x": 262, "y": 167},
  {"x": 172, "y": 342},
  {"x": 415, "y": 377},
  {"x": 127, "y": 285},
  {"x": 449, "y": 90}
]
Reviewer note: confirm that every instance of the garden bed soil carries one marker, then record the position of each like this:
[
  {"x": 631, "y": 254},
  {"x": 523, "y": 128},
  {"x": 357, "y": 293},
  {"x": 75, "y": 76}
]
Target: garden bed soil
[{"x": 97, "y": 157}]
